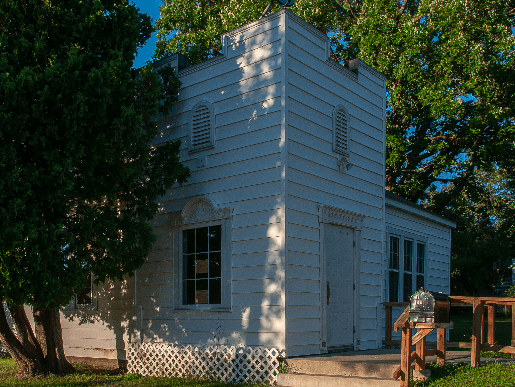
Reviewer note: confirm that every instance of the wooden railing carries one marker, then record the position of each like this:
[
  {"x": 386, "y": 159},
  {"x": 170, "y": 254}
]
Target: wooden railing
[
  {"x": 423, "y": 329},
  {"x": 478, "y": 324}
]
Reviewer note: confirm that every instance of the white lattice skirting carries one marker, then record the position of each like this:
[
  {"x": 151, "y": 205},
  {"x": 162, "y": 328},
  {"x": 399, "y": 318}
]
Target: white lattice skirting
[{"x": 224, "y": 363}]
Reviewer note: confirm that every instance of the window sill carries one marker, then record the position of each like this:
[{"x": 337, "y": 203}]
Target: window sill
[
  {"x": 75, "y": 309},
  {"x": 183, "y": 310}
]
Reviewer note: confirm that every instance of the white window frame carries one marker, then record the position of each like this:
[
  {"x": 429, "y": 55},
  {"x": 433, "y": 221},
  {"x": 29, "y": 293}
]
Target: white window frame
[
  {"x": 93, "y": 305},
  {"x": 203, "y": 212},
  {"x": 211, "y": 142},
  {"x": 417, "y": 240}
]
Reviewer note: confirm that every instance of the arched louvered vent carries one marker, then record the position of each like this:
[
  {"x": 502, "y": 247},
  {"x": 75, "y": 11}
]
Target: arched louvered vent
[
  {"x": 341, "y": 131},
  {"x": 201, "y": 126}
]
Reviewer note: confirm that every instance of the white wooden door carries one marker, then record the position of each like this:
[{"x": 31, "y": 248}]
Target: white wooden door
[{"x": 339, "y": 252}]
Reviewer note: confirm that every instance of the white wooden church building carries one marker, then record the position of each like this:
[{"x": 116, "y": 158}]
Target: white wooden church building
[{"x": 284, "y": 236}]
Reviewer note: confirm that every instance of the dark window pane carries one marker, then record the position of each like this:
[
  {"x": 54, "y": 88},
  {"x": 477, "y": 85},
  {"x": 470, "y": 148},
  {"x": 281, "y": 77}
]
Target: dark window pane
[
  {"x": 202, "y": 292},
  {"x": 189, "y": 292},
  {"x": 189, "y": 241},
  {"x": 407, "y": 287},
  {"x": 408, "y": 255},
  {"x": 394, "y": 253},
  {"x": 394, "y": 286},
  {"x": 202, "y": 262},
  {"x": 202, "y": 244},
  {"x": 84, "y": 297},
  {"x": 202, "y": 266},
  {"x": 420, "y": 281},
  {"x": 202, "y": 284},
  {"x": 215, "y": 238},
  {"x": 189, "y": 266},
  {"x": 420, "y": 257},
  {"x": 215, "y": 265},
  {"x": 215, "y": 291}
]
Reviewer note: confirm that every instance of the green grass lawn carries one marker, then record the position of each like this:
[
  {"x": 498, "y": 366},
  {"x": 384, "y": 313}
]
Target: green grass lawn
[
  {"x": 90, "y": 377},
  {"x": 462, "y": 330},
  {"x": 461, "y": 374}
]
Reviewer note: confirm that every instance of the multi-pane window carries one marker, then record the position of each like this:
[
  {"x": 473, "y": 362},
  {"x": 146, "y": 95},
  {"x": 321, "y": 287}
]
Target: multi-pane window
[
  {"x": 85, "y": 296},
  {"x": 406, "y": 267},
  {"x": 420, "y": 265},
  {"x": 84, "y": 299},
  {"x": 408, "y": 264},
  {"x": 202, "y": 265},
  {"x": 394, "y": 269}
]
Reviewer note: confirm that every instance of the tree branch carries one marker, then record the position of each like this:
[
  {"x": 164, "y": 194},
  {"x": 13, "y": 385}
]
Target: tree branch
[
  {"x": 349, "y": 4},
  {"x": 403, "y": 7},
  {"x": 417, "y": 18}
]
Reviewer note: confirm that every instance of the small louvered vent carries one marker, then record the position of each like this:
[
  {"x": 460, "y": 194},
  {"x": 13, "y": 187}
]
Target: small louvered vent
[
  {"x": 201, "y": 136},
  {"x": 341, "y": 136}
]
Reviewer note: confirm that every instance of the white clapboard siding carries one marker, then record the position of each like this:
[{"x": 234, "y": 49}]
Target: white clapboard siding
[
  {"x": 314, "y": 89},
  {"x": 272, "y": 95},
  {"x": 242, "y": 171},
  {"x": 102, "y": 331}
]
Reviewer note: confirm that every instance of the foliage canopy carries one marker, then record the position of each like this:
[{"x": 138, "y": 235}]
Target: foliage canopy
[
  {"x": 79, "y": 180},
  {"x": 450, "y": 68},
  {"x": 449, "y": 65}
]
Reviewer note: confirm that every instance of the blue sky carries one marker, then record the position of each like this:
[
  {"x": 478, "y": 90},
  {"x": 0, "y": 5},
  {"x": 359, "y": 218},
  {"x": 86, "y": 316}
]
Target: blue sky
[{"x": 150, "y": 7}]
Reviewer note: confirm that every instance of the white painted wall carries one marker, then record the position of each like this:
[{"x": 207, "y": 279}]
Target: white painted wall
[
  {"x": 244, "y": 171},
  {"x": 273, "y": 94},
  {"x": 315, "y": 85},
  {"x": 101, "y": 331}
]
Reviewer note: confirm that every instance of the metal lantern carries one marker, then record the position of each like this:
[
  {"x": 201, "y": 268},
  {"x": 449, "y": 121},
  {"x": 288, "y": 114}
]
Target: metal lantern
[{"x": 429, "y": 307}]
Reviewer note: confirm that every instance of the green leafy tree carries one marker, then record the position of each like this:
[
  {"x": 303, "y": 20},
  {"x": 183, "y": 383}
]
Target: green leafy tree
[
  {"x": 450, "y": 68},
  {"x": 484, "y": 212},
  {"x": 79, "y": 179}
]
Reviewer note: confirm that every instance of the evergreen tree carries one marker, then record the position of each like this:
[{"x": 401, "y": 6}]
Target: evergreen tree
[{"x": 79, "y": 181}]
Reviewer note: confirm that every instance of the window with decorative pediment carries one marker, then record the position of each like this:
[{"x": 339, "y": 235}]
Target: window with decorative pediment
[
  {"x": 341, "y": 130},
  {"x": 202, "y": 127},
  {"x": 203, "y": 264}
]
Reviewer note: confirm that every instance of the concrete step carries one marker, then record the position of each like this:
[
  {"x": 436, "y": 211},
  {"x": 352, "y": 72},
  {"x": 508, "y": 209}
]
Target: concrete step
[
  {"x": 311, "y": 380},
  {"x": 364, "y": 364}
]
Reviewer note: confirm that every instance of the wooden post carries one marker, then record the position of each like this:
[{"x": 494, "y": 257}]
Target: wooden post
[
  {"x": 440, "y": 347},
  {"x": 406, "y": 356},
  {"x": 477, "y": 327},
  {"x": 483, "y": 328},
  {"x": 491, "y": 324},
  {"x": 513, "y": 327},
  {"x": 388, "y": 326},
  {"x": 421, "y": 348}
]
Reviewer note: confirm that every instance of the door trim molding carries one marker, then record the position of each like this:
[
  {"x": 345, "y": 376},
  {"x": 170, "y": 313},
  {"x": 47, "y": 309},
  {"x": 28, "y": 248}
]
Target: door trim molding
[{"x": 338, "y": 216}]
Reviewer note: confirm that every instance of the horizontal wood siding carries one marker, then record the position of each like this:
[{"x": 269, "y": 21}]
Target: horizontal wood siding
[
  {"x": 103, "y": 331},
  {"x": 243, "y": 171},
  {"x": 314, "y": 88}
]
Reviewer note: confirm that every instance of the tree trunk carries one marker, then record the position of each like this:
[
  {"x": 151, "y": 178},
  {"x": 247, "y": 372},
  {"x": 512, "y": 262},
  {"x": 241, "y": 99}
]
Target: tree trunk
[
  {"x": 25, "y": 333},
  {"x": 42, "y": 352},
  {"x": 28, "y": 361},
  {"x": 49, "y": 335}
]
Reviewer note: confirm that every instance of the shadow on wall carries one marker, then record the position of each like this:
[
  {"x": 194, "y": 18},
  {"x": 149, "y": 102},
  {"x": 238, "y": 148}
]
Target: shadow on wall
[
  {"x": 243, "y": 171},
  {"x": 100, "y": 330}
]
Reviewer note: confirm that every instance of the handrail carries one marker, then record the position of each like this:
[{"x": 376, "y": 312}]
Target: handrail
[{"x": 419, "y": 339}]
